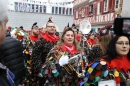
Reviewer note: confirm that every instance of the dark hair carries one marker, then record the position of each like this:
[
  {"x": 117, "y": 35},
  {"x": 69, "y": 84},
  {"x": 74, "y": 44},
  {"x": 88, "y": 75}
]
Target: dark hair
[{"x": 111, "y": 52}]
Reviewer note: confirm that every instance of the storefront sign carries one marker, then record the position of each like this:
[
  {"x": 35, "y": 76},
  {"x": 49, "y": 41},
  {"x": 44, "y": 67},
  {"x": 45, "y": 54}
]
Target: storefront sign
[{"x": 98, "y": 19}]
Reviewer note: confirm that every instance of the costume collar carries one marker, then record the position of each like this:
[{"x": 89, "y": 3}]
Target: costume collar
[
  {"x": 120, "y": 63},
  {"x": 34, "y": 38},
  {"x": 50, "y": 37}
]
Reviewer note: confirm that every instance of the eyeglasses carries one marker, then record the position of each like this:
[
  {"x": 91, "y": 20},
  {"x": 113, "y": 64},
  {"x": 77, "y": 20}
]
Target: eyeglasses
[
  {"x": 122, "y": 43},
  {"x": 51, "y": 26}
]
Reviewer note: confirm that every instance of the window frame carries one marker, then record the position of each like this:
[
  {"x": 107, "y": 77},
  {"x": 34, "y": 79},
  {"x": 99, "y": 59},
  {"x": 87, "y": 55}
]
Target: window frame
[
  {"x": 83, "y": 12},
  {"x": 119, "y": 1},
  {"x": 106, "y": 5},
  {"x": 77, "y": 14}
]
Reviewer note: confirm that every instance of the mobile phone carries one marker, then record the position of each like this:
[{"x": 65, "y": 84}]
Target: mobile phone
[{"x": 122, "y": 26}]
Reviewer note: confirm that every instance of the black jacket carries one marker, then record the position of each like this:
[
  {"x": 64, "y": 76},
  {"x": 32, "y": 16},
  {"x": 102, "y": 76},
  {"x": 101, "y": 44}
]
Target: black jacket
[
  {"x": 3, "y": 78},
  {"x": 12, "y": 56}
]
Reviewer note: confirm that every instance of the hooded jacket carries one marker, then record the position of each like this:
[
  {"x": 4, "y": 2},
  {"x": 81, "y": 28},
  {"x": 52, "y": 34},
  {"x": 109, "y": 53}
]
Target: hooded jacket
[{"x": 12, "y": 56}]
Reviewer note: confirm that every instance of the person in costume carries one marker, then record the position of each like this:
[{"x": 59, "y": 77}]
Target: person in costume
[
  {"x": 57, "y": 70},
  {"x": 34, "y": 36},
  {"x": 100, "y": 48},
  {"x": 28, "y": 44},
  {"x": 40, "y": 51},
  {"x": 91, "y": 41},
  {"x": 114, "y": 65}
]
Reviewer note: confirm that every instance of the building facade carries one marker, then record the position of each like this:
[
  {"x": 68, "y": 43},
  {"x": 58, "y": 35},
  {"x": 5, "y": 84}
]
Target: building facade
[
  {"x": 63, "y": 7},
  {"x": 98, "y": 12}
]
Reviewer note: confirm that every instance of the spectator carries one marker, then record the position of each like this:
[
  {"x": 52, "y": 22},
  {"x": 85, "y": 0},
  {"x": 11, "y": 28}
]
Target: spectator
[
  {"x": 12, "y": 56},
  {"x": 3, "y": 21}
]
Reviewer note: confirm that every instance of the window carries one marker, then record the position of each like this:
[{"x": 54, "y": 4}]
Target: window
[
  {"x": 117, "y": 3},
  {"x": 52, "y": 10},
  {"x": 106, "y": 5},
  {"x": 40, "y": 8},
  {"x": 83, "y": 10},
  {"x": 44, "y": 9},
  {"x": 66, "y": 9},
  {"x": 76, "y": 14},
  {"x": 56, "y": 10},
  {"x": 16, "y": 6},
  {"x": 70, "y": 11},
  {"x": 91, "y": 10},
  {"x": 59, "y": 10},
  {"x": 32, "y": 7},
  {"x": 63, "y": 10},
  {"x": 36, "y": 8},
  {"x": 28, "y": 7},
  {"x": 98, "y": 8}
]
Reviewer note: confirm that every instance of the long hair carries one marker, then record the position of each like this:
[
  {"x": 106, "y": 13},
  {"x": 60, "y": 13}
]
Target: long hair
[
  {"x": 111, "y": 52},
  {"x": 61, "y": 41},
  {"x": 104, "y": 41}
]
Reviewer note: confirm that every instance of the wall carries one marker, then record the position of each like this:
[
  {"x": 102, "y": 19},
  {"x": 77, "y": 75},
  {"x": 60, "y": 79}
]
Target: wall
[
  {"x": 126, "y": 9},
  {"x": 26, "y": 20}
]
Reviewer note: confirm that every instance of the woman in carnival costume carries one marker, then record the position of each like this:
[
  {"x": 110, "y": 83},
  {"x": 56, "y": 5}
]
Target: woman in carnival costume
[
  {"x": 99, "y": 49},
  {"x": 113, "y": 66},
  {"x": 65, "y": 63}
]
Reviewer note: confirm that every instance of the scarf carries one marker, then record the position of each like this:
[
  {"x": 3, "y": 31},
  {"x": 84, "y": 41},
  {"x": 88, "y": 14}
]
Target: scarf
[
  {"x": 91, "y": 41},
  {"x": 34, "y": 38},
  {"x": 50, "y": 37},
  {"x": 70, "y": 49}
]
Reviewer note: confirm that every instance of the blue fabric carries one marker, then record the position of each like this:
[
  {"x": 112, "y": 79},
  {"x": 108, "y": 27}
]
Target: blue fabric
[
  {"x": 94, "y": 64},
  {"x": 122, "y": 84},
  {"x": 10, "y": 77}
]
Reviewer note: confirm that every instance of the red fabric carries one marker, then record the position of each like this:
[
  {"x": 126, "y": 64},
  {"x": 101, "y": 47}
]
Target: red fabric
[
  {"x": 42, "y": 34},
  {"x": 50, "y": 37},
  {"x": 98, "y": 73},
  {"x": 78, "y": 37},
  {"x": 34, "y": 38},
  {"x": 119, "y": 64},
  {"x": 70, "y": 49},
  {"x": 91, "y": 41},
  {"x": 117, "y": 79}
]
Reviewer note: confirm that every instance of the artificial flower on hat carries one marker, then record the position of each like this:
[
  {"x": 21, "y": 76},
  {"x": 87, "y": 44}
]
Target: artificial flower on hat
[{"x": 104, "y": 31}]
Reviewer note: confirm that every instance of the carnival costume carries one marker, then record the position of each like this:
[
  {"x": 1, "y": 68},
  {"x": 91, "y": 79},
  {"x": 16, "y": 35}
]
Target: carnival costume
[
  {"x": 95, "y": 52},
  {"x": 28, "y": 44},
  {"x": 39, "y": 54},
  {"x": 64, "y": 66},
  {"x": 101, "y": 71}
]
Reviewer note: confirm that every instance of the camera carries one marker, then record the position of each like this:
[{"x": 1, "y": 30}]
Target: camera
[{"x": 122, "y": 26}]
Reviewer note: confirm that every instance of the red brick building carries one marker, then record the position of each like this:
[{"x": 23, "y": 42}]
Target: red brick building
[{"x": 98, "y": 12}]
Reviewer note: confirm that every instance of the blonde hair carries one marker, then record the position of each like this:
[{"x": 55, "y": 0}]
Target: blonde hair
[
  {"x": 61, "y": 41},
  {"x": 103, "y": 42}
]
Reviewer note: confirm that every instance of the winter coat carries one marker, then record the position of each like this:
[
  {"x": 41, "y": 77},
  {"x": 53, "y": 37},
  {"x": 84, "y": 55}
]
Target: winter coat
[{"x": 12, "y": 56}]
